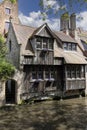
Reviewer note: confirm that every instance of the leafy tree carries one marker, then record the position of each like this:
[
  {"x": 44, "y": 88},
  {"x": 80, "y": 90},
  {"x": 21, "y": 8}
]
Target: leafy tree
[
  {"x": 6, "y": 69},
  {"x": 61, "y": 6},
  {"x": 13, "y": 1}
]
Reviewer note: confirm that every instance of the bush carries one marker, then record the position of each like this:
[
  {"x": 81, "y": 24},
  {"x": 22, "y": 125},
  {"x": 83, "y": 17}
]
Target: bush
[{"x": 6, "y": 70}]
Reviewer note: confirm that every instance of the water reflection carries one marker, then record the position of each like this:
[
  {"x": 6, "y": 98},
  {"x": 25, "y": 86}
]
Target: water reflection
[{"x": 53, "y": 115}]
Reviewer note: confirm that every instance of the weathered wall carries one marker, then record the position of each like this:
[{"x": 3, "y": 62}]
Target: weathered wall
[
  {"x": 13, "y": 55},
  {"x": 5, "y": 17}
]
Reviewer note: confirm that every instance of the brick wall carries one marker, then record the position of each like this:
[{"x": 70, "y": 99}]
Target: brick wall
[{"x": 5, "y": 17}]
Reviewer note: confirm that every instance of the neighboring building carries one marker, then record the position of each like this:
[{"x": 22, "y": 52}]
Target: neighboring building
[
  {"x": 47, "y": 62},
  {"x": 8, "y": 11}
]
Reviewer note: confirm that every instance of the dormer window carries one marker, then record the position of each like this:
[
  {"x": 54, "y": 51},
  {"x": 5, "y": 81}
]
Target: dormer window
[
  {"x": 45, "y": 40},
  {"x": 73, "y": 46},
  {"x": 39, "y": 43},
  {"x": 65, "y": 46},
  {"x": 69, "y": 46},
  {"x": 50, "y": 43},
  {"x": 8, "y": 11},
  {"x": 44, "y": 43}
]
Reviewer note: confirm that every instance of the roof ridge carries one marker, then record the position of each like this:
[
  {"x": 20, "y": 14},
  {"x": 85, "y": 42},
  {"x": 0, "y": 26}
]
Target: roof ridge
[{"x": 24, "y": 25}]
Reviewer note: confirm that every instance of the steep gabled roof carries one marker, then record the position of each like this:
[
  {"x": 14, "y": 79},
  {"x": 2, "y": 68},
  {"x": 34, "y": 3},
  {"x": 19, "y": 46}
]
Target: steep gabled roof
[
  {"x": 23, "y": 33},
  {"x": 70, "y": 57},
  {"x": 63, "y": 37},
  {"x": 37, "y": 31}
]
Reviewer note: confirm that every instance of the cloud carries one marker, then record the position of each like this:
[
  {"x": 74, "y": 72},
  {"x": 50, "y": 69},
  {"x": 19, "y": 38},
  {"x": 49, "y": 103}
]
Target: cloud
[
  {"x": 83, "y": 20},
  {"x": 35, "y": 19},
  {"x": 53, "y": 4}
]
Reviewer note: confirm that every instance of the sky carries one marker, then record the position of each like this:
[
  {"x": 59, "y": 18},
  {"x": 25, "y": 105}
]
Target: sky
[{"x": 30, "y": 13}]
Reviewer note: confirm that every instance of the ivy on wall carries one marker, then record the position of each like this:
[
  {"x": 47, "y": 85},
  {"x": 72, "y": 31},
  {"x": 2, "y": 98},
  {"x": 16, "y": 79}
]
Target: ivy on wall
[{"x": 6, "y": 69}]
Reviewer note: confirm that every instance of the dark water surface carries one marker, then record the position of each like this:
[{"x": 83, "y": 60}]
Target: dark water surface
[{"x": 68, "y": 114}]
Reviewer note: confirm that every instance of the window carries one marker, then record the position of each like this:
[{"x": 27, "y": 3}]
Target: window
[
  {"x": 82, "y": 71},
  {"x": 34, "y": 74},
  {"x": 75, "y": 71},
  {"x": 65, "y": 46},
  {"x": 78, "y": 70},
  {"x": 50, "y": 43},
  {"x": 40, "y": 73},
  {"x": 52, "y": 73},
  {"x": 73, "y": 47},
  {"x": 7, "y": 25},
  {"x": 46, "y": 74},
  {"x": 45, "y": 43},
  {"x": 39, "y": 45},
  {"x": 10, "y": 45},
  {"x": 39, "y": 42},
  {"x": 69, "y": 46},
  {"x": 68, "y": 72},
  {"x": 8, "y": 11}
]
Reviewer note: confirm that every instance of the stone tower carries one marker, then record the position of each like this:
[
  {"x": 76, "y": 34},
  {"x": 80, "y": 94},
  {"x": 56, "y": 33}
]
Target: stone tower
[{"x": 7, "y": 10}]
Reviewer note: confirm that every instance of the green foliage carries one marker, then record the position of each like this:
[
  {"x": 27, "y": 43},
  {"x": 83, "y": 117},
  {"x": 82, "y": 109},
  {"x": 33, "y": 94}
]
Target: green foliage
[
  {"x": 61, "y": 6},
  {"x": 13, "y": 1},
  {"x": 2, "y": 47},
  {"x": 65, "y": 16},
  {"x": 6, "y": 69}
]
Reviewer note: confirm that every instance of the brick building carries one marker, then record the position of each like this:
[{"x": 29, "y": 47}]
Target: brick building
[{"x": 7, "y": 10}]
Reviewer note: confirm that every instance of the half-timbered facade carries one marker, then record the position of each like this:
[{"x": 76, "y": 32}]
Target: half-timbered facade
[{"x": 50, "y": 63}]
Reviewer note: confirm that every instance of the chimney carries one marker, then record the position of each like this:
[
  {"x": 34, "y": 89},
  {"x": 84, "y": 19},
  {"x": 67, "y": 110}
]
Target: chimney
[
  {"x": 73, "y": 25},
  {"x": 73, "y": 21},
  {"x": 64, "y": 23}
]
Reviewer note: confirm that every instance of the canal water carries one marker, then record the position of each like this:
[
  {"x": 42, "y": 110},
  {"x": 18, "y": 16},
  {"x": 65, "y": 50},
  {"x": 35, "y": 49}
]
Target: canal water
[{"x": 68, "y": 114}]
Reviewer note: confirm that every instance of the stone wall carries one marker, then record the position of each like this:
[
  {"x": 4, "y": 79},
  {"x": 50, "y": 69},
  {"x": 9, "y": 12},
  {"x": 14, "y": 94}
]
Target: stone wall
[{"x": 13, "y": 49}]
